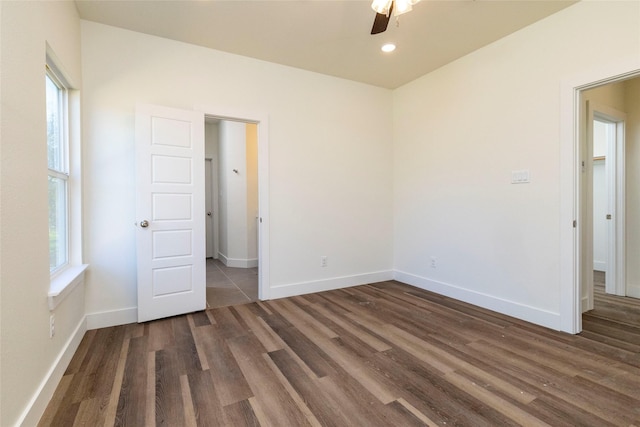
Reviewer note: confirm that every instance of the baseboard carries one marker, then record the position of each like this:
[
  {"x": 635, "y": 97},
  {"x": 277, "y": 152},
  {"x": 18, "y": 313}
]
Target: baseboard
[
  {"x": 41, "y": 398},
  {"x": 105, "y": 319},
  {"x": 585, "y": 304},
  {"x": 510, "y": 308},
  {"x": 633, "y": 291},
  {"x": 238, "y": 262},
  {"x": 329, "y": 284},
  {"x": 599, "y": 265}
]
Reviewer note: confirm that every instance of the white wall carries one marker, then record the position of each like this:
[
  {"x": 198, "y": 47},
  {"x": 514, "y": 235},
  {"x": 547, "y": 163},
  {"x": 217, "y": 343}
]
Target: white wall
[
  {"x": 211, "y": 146},
  {"x": 252, "y": 192},
  {"x": 238, "y": 166},
  {"x": 330, "y": 169},
  {"x": 460, "y": 131},
  {"x": 28, "y": 354},
  {"x": 233, "y": 192}
]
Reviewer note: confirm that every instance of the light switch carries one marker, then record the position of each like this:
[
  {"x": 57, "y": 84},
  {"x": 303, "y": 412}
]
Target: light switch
[{"x": 520, "y": 176}]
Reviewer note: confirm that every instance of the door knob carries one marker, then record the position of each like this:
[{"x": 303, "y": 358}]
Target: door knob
[{"x": 144, "y": 223}]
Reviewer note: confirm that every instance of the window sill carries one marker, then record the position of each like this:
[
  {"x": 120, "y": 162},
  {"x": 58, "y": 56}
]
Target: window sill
[{"x": 64, "y": 283}]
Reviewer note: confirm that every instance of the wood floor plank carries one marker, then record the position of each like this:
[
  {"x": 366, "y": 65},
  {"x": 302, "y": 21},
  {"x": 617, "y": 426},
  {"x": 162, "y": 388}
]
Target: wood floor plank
[
  {"x": 265, "y": 335},
  {"x": 160, "y": 334},
  {"x": 56, "y": 400},
  {"x": 419, "y": 415},
  {"x": 131, "y": 408},
  {"x": 231, "y": 384},
  {"x": 304, "y": 348},
  {"x": 345, "y": 359},
  {"x": 240, "y": 414},
  {"x": 200, "y": 318},
  {"x": 78, "y": 358},
  {"x": 169, "y": 404},
  {"x": 188, "y": 357},
  {"x": 342, "y": 326},
  {"x": 300, "y": 402},
  {"x": 384, "y": 354},
  {"x": 150, "y": 400},
  {"x": 205, "y": 400},
  {"x": 271, "y": 395},
  {"x": 187, "y": 402},
  {"x": 428, "y": 390}
]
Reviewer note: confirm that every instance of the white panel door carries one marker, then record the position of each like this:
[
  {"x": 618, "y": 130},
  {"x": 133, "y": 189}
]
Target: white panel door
[{"x": 170, "y": 232}]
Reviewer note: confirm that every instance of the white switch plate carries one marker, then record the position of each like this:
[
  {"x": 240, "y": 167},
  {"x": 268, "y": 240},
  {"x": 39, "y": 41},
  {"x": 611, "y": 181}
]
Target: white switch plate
[{"x": 520, "y": 177}]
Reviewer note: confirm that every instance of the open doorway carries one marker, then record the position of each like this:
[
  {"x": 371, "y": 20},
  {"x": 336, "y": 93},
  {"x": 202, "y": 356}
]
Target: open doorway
[
  {"x": 232, "y": 211},
  {"x": 610, "y": 193}
]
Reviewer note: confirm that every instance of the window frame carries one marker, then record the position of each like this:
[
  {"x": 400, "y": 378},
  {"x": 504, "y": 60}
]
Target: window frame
[
  {"x": 69, "y": 276},
  {"x": 61, "y": 173}
]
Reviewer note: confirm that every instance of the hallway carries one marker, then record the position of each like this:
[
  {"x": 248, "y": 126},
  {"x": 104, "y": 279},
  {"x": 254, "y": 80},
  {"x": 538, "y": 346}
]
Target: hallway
[{"x": 230, "y": 286}]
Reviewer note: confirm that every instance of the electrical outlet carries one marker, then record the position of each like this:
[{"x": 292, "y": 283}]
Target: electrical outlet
[
  {"x": 52, "y": 326},
  {"x": 434, "y": 262},
  {"x": 323, "y": 261}
]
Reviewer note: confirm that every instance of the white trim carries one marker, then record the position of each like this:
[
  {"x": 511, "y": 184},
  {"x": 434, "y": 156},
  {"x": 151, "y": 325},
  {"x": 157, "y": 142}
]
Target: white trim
[
  {"x": 238, "y": 262},
  {"x": 599, "y": 265},
  {"x": 535, "y": 315},
  {"x": 616, "y": 274},
  {"x": 38, "y": 403},
  {"x": 106, "y": 319},
  {"x": 586, "y": 304},
  {"x": 302, "y": 288},
  {"x": 633, "y": 291},
  {"x": 262, "y": 120},
  {"x": 64, "y": 282}
]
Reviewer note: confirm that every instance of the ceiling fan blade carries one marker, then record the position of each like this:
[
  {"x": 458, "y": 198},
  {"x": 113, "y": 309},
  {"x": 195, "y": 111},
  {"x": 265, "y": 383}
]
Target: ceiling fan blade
[{"x": 381, "y": 21}]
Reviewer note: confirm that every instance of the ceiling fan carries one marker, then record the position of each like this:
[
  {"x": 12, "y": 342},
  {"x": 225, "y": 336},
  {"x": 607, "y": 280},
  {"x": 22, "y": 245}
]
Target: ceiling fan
[{"x": 384, "y": 9}]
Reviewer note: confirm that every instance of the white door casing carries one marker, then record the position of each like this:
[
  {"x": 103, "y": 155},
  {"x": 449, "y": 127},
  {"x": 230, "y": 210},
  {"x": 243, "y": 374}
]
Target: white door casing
[
  {"x": 208, "y": 192},
  {"x": 170, "y": 198},
  {"x": 615, "y": 273}
]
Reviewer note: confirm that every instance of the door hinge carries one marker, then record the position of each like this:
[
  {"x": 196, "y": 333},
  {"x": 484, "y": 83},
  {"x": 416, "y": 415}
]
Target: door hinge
[{"x": 575, "y": 223}]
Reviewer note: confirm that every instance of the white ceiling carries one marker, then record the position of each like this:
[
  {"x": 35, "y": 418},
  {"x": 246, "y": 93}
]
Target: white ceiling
[{"x": 330, "y": 37}]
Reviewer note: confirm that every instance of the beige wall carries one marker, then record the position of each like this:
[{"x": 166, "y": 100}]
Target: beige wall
[
  {"x": 461, "y": 130},
  {"x": 27, "y": 351},
  {"x": 330, "y": 169}
]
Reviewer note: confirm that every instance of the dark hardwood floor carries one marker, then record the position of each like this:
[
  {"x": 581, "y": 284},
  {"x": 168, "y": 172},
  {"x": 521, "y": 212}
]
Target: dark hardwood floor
[
  {"x": 614, "y": 320},
  {"x": 377, "y": 355}
]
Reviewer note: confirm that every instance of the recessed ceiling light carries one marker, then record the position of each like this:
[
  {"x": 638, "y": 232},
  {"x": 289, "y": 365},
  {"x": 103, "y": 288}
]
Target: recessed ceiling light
[{"x": 389, "y": 47}]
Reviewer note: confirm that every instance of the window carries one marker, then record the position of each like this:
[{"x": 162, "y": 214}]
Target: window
[
  {"x": 62, "y": 99},
  {"x": 58, "y": 164}
]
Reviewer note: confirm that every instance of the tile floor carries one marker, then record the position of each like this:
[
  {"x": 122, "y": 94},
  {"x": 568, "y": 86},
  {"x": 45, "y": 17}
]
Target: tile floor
[{"x": 230, "y": 286}]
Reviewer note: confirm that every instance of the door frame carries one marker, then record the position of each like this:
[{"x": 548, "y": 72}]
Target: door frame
[
  {"x": 212, "y": 169},
  {"x": 616, "y": 268},
  {"x": 571, "y": 210},
  {"x": 262, "y": 121}
]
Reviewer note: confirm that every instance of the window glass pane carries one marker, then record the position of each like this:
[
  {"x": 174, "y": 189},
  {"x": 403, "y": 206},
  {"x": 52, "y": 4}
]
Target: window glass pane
[
  {"x": 55, "y": 148},
  {"x": 57, "y": 222}
]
